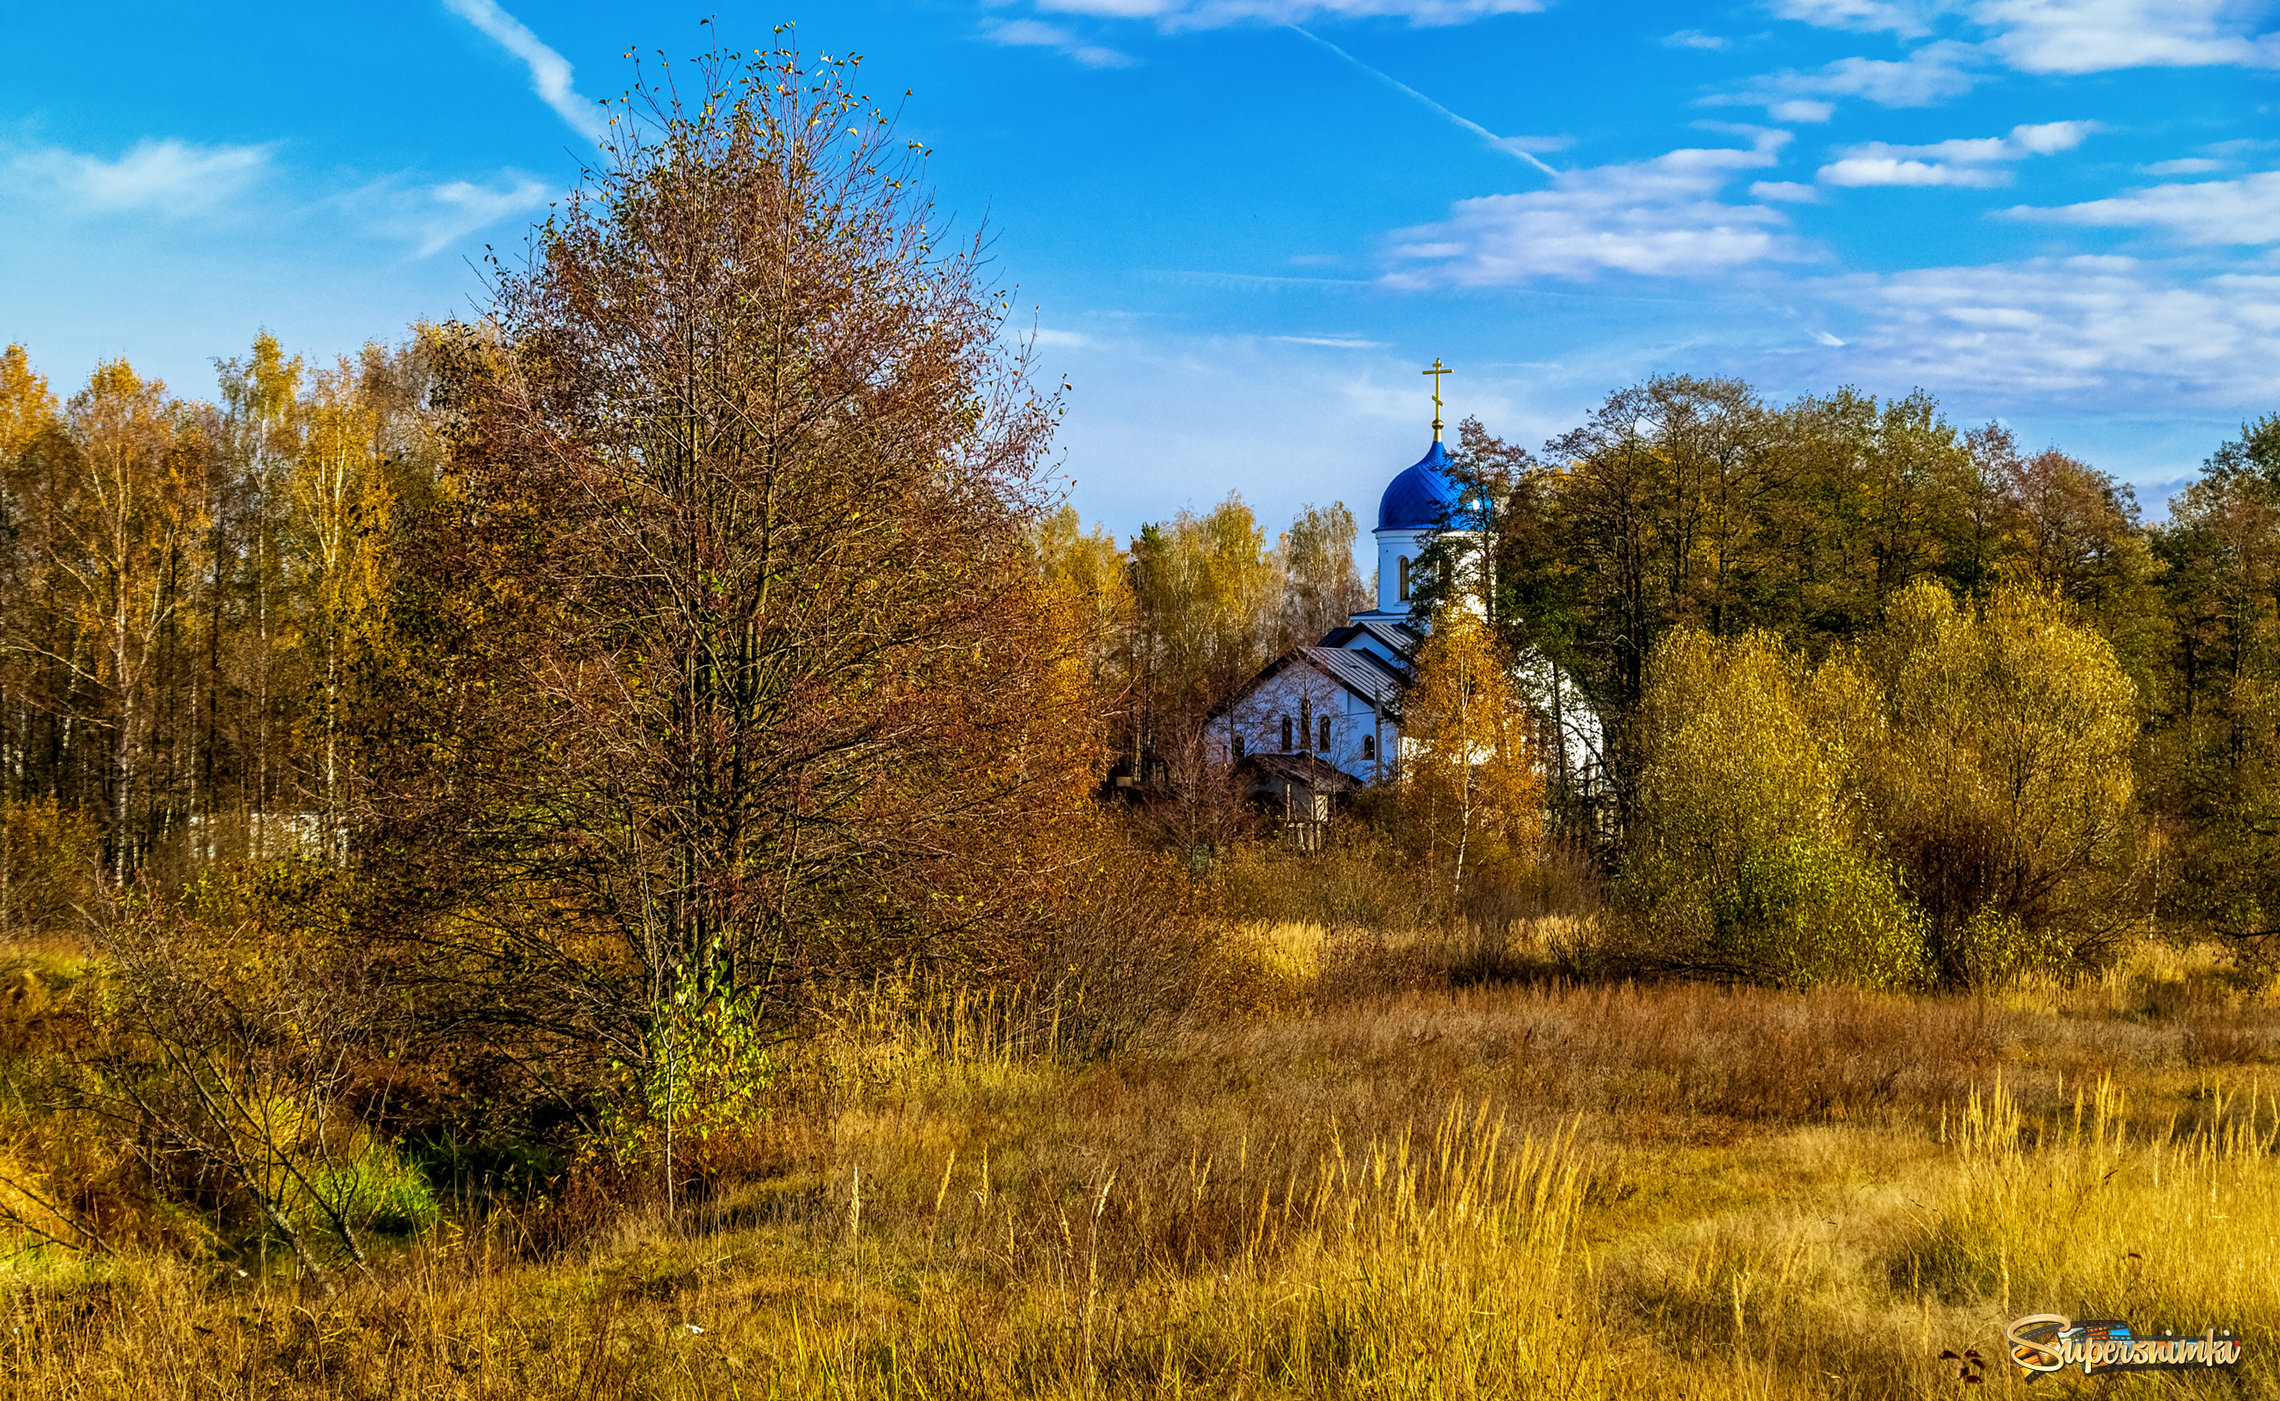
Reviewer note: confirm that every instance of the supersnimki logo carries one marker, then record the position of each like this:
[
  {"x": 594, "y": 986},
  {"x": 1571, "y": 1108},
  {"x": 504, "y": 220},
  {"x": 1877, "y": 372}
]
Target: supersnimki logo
[{"x": 2051, "y": 1342}]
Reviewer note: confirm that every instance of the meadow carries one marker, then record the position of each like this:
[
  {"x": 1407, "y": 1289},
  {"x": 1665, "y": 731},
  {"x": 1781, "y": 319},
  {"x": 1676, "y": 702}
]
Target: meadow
[{"x": 1400, "y": 1175}]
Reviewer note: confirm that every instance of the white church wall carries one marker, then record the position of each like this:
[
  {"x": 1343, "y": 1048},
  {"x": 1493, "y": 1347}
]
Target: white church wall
[
  {"x": 1393, "y": 547},
  {"x": 1301, "y": 693}
]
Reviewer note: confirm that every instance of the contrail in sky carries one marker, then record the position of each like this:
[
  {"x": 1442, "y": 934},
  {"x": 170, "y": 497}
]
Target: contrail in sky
[
  {"x": 549, "y": 71},
  {"x": 1505, "y": 144}
]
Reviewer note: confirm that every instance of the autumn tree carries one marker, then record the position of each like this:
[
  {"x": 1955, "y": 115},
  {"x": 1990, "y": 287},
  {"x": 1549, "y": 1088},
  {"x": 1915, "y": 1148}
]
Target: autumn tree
[
  {"x": 1209, "y": 590},
  {"x": 1951, "y": 799},
  {"x": 122, "y": 512},
  {"x": 252, "y": 623},
  {"x": 1090, "y": 574},
  {"x": 343, "y": 491},
  {"x": 1472, "y": 781},
  {"x": 2001, "y": 775},
  {"x": 1751, "y": 853},
  {"x": 1322, "y": 587},
  {"x": 722, "y": 668}
]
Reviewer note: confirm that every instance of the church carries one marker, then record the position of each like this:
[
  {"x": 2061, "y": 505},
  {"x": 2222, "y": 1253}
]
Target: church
[{"x": 1325, "y": 719}]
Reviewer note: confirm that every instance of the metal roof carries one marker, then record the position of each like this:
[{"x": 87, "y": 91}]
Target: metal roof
[
  {"x": 1397, "y": 638},
  {"x": 1312, "y": 770},
  {"x": 1366, "y": 674}
]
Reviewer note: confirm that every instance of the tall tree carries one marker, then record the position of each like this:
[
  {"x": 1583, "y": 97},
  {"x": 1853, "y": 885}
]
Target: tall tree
[
  {"x": 125, "y": 514},
  {"x": 1209, "y": 592},
  {"x": 722, "y": 667},
  {"x": 341, "y": 496},
  {"x": 1469, "y": 763},
  {"x": 253, "y": 612},
  {"x": 2213, "y": 759},
  {"x": 1323, "y": 588}
]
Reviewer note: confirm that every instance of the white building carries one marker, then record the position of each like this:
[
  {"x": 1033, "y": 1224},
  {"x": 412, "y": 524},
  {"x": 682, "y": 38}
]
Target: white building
[{"x": 1324, "y": 718}]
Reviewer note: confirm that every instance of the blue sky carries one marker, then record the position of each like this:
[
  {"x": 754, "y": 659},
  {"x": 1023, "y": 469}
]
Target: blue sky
[{"x": 1245, "y": 225}]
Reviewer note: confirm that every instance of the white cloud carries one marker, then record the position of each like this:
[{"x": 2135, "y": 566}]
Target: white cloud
[
  {"x": 2095, "y": 36},
  {"x": 2072, "y": 327},
  {"x": 1659, "y": 217},
  {"x": 1870, "y": 169},
  {"x": 1696, "y": 39},
  {"x": 549, "y": 71},
  {"x": 1209, "y": 14},
  {"x": 2243, "y": 211},
  {"x": 1801, "y": 109},
  {"x": 1786, "y": 191},
  {"x": 1332, "y": 342},
  {"x": 161, "y": 177},
  {"x": 2049, "y": 138},
  {"x": 1031, "y": 33},
  {"x": 1930, "y": 74},
  {"x": 433, "y": 217},
  {"x": 2072, "y": 36},
  {"x": 1906, "y": 18},
  {"x": 2189, "y": 165},
  {"x": 1974, "y": 163}
]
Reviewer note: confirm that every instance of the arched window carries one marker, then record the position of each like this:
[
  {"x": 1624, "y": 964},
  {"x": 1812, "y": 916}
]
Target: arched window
[
  {"x": 1305, "y": 723},
  {"x": 1405, "y": 578},
  {"x": 1238, "y": 746},
  {"x": 1369, "y": 746},
  {"x": 1324, "y": 746},
  {"x": 1286, "y": 734}
]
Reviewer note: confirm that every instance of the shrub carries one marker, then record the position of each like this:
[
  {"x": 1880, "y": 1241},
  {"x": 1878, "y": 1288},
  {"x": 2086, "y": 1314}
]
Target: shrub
[
  {"x": 1994, "y": 949},
  {"x": 1805, "y": 913},
  {"x": 1733, "y": 766},
  {"x": 2002, "y": 776},
  {"x": 49, "y": 859},
  {"x": 1977, "y": 757}
]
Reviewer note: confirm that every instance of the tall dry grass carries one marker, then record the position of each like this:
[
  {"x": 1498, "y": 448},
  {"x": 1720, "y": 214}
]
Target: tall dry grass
[{"x": 1450, "y": 1190}]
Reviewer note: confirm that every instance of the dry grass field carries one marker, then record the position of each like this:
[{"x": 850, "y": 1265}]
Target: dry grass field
[{"x": 1505, "y": 1189}]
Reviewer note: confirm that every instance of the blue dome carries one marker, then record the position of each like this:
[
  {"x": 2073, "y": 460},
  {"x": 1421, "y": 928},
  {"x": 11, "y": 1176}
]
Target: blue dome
[{"x": 1420, "y": 497}]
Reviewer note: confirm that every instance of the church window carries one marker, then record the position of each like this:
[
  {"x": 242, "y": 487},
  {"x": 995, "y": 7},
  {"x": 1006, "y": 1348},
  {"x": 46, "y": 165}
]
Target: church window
[
  {"x": 1405, "y": 578},
  {"x": 1305, "y": 722},
  {"x": 1369, "y": 746},
  {"x": 1286, "y": 734},
  {"x": 1238, "y": 746},
  {"x": 1325, "y": 744}
]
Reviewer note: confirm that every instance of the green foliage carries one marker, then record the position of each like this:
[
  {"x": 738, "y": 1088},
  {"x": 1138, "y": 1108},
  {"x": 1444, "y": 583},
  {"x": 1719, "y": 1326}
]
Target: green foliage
[
  {"x": 1803, "y": 914},
  {"x": 2002, "y": 778},
  {"x": 1994, "y": 949},
  {"x": 707, "y": 1071},
  {"x": 1961, "y": 784},
  {"x": 374, "y": 1190},
  {"x": 1734, "y": 766},
  {"x": 2213, "y": 763}
]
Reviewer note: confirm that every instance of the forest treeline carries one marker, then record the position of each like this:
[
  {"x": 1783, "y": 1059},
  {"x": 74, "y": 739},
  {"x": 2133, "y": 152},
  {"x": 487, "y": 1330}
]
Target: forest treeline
[
  {"x": 1823, "y": 529},
  {"x": 186, "y": 589},
  {"x": 1691, "y": 511},
  {"x": 199, "y": 600}
]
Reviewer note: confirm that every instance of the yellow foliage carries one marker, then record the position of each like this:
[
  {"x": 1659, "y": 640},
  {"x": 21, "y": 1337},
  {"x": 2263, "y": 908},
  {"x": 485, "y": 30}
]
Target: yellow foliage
[
  {"x": 1469, "y": 761},
  {"x": 1979, "y": 754},
  {"x": 27, "y": 405}
]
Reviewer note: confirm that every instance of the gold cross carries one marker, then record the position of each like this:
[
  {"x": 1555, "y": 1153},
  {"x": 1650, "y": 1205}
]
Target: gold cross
[{"x": 1436, "y": 372}]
